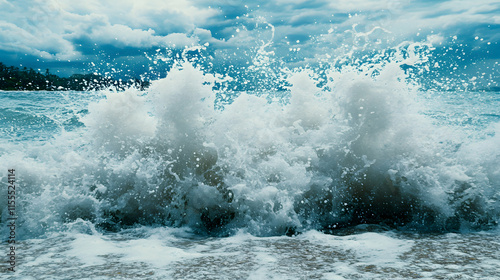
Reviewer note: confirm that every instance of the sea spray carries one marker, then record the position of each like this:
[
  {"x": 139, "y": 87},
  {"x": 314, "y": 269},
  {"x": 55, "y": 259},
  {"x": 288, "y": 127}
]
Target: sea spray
[{"x": 348, "y": 145}]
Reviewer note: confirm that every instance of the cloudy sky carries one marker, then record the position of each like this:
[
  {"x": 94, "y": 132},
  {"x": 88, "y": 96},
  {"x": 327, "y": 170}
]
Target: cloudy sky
[{"x": 123, "y": 37}]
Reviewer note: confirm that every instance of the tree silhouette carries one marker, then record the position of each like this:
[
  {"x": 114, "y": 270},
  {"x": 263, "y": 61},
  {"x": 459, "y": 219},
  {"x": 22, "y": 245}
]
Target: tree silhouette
[{"x": 13, "y": 78}]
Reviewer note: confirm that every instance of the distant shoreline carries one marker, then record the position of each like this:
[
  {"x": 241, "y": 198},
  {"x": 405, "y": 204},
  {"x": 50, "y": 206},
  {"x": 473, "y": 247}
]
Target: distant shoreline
[{"x": 16, "y": 79}]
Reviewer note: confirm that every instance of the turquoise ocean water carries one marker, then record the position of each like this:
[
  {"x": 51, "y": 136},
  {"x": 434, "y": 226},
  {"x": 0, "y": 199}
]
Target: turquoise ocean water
[{"x": 356, "y": 151}]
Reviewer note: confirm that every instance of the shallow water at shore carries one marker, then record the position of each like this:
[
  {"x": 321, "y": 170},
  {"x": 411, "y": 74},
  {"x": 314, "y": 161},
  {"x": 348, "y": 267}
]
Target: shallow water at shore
[{"x": 165, "y": 253}]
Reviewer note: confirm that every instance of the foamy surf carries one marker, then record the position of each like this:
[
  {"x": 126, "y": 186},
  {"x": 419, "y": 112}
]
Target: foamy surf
[
  {"x": 178, "y": 253},
  {"x": 361, "y": 149},
  {"x": 361, "y": 152}
]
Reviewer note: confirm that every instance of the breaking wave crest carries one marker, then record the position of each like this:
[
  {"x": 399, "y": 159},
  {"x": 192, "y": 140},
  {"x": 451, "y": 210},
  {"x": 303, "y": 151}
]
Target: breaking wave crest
[{"x": 349, "y": 146}]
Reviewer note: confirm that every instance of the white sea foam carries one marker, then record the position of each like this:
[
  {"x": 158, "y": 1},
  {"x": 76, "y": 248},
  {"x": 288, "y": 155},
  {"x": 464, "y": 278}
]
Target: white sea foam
[
  {"x": 258, "y": 157},
  {"x": 167, "y": 253},
  {"x": 359, "y": 148}
]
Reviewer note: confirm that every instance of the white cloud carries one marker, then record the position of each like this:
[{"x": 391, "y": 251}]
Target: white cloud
[
  {"x": 54, "y": 29},
  {"x": 122, "y": 36},
  {"x": 179, "y": 40},
  {"x": 49, "y": 29},
  {"x": 354, "y": 6},
  {"x": 50, "y": 46},
  {"x": 146, "y": 14}
]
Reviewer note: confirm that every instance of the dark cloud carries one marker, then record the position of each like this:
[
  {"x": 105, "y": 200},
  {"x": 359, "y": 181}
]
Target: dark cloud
[{"x": 98, "y": 35}]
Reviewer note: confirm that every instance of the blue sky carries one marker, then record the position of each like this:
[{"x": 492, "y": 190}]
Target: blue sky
[{"x": 117, "y": 37}]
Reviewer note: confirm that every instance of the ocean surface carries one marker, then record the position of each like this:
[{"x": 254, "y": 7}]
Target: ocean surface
[
  {"x": 372, "y": 158},
  {"x": 368, "y": 181}
]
